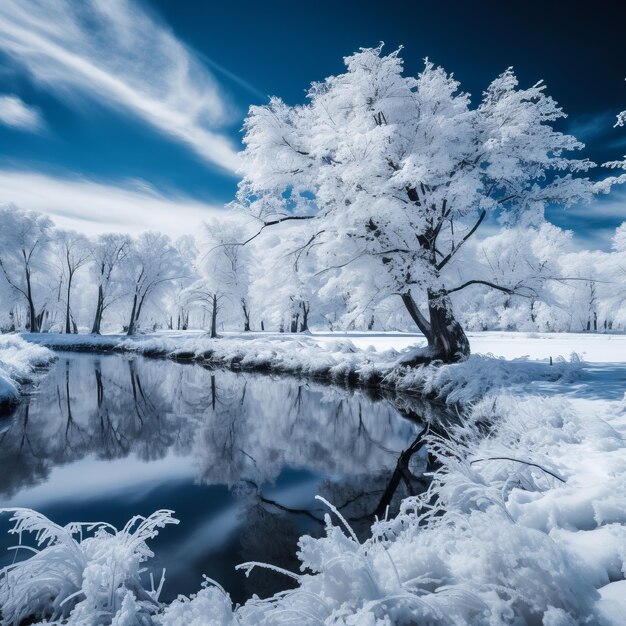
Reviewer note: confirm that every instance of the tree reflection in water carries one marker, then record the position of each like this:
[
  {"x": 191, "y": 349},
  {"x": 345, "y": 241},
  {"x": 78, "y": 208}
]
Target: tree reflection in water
[{"x": 239, "y": 456}]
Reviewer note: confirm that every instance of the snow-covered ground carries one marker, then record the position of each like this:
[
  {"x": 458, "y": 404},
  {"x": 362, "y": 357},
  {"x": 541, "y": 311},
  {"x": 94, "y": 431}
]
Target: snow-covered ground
[
  {"x": 524, "y": 523},
  {"x": 18, "y": 360},
  {"x": 591, "y": 347}
]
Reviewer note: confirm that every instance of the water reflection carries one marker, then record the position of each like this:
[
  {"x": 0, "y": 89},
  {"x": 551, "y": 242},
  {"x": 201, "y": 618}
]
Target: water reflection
[{"x": 239, "y": 457}]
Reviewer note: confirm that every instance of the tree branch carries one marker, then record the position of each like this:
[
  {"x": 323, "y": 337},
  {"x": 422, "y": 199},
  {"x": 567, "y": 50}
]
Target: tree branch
[
  {"x": 511, "y": 292},
  {"x": 508, "y": 458},
  {"x": 265, "y": 225},
  {"x": 452, "y": 252}
]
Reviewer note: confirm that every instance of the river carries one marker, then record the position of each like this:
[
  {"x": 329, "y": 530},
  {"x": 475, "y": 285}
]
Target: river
[{"x": 238, "y": 457}]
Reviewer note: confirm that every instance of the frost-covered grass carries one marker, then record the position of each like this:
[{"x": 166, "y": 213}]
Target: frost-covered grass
[
  {"x": 82, "y": 573},
  {"x": 18, "y": 360}
]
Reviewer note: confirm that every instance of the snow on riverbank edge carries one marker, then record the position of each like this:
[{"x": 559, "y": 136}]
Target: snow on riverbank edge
[
  {"x": 18, "y": 362},
  {"x": 325, "y": 357}
]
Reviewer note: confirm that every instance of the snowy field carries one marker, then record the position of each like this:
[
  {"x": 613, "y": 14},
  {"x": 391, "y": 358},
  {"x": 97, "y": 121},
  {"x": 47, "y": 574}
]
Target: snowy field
[
  {"x": 524, "y": 523},
  {"x": 592, "y": 348}
]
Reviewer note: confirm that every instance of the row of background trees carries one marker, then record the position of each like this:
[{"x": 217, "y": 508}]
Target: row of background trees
[{"x": 54, "y": 280}]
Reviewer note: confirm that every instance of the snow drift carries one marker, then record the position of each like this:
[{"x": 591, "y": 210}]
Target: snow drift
[{"x": 18, "y": 361}]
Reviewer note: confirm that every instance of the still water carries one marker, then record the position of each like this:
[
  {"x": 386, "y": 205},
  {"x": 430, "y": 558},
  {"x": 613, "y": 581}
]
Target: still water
[{"x": 238, "y": 457}]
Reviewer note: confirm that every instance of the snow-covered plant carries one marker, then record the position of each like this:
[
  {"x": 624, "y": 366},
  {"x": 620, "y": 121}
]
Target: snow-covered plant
[
  {"x": 82, "y": 573},
  {"x": 356, "y": 583},
  {"x": 211, "y": 606}
]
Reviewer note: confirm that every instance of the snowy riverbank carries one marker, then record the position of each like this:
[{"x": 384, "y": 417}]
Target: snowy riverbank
[
  {"x": 524, "y": 522},
  {"x": 368, "y": 359},
  {"x": 18, "y": 361}
]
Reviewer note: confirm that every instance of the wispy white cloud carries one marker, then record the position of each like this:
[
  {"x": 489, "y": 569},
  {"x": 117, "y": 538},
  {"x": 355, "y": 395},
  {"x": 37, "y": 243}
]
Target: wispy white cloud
[
  {"x": 116, "y": 53},
  {"x": 15, "y": 113},
  {"x": 611, "y": 206},
  {"x": 93, "y": 207}
]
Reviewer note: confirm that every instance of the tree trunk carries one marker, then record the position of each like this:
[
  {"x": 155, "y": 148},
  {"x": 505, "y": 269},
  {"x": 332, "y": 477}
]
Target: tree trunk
[
  {"x": 304, "y": 326},
  {"x": 447, "y": 341},
  {"x": 214, "y": 318},
  {"x": 39, "y": 320},
  {"x": 416, "y": 315},
  {"x": 97, "y": 320},
  {"x": 33, "y": 322},
  {"x": 131, "y": 323},
  {"x": 294, "y": 322},
  {"x": 246, "y": 315},
  {"x": 68, "y": 327}
]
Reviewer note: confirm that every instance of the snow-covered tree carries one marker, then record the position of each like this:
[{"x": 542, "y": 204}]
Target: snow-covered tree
[
  {"x": 585, "y": 289},
  {"x": 108, "y": 253},
  {"x": 284, "y": 286},
  {"x": 153, "y": 262},
  {"x": 525, "y": 261},
  {"x": 24, "y": 241},
  {"x": 73, "y": 251},
  {"x": 226, "y": 265},
  {"x": 403, "y": 171},
  {"x": 222, "y": 271},
  {"x": 619, "y": 238}
]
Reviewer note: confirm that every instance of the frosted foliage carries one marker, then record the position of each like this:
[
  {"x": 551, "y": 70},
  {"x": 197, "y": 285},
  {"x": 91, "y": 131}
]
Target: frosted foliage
[
  {"x": 619, "y": 239},
  {"x": 396, "y": 171},
  {"x": 82, "y": 573}
]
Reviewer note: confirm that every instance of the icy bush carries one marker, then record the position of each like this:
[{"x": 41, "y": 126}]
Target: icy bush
[
  {"x": 467, "y": 381},
  {"x": 82, "y": 573}
]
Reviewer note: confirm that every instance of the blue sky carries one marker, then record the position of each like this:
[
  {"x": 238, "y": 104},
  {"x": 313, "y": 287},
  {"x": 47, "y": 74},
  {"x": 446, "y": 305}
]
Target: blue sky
[{"x": 126, "y": 114}]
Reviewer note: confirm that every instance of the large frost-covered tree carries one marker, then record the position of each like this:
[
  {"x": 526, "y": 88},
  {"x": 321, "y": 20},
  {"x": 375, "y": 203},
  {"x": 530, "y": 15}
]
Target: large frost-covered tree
[{"x": 397, "y": 173}]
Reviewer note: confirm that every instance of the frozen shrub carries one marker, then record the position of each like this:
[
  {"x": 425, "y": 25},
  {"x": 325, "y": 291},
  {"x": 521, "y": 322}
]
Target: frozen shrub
[{"x": 82, "y": 573}]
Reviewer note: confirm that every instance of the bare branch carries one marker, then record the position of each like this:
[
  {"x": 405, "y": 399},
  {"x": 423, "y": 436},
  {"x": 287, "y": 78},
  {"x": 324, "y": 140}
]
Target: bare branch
[
  {"x": 508, "y": 458},
  {"x": 452, "y": 252},
  {"x": 510, "y": 291}
]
